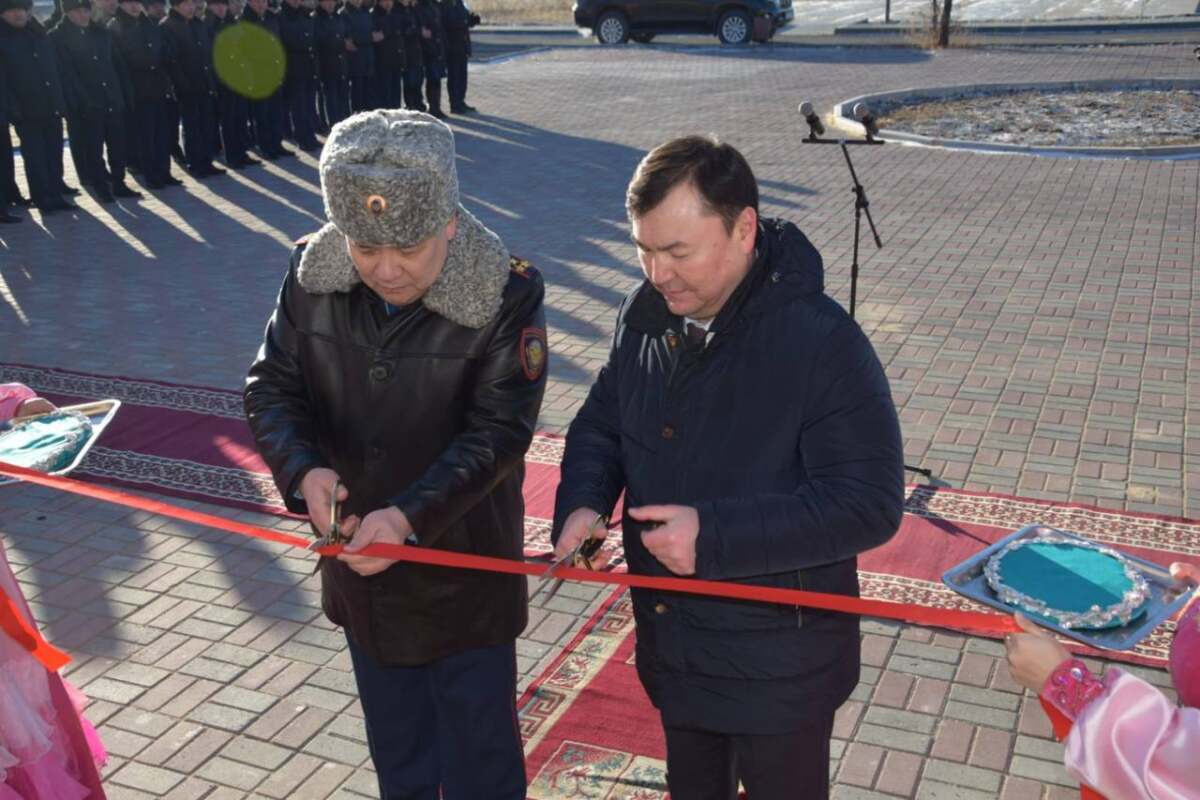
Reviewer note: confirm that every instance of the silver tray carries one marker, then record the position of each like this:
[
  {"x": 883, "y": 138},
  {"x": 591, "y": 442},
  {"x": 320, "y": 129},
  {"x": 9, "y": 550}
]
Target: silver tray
[
  {"x": 1167, "y": 596},
  {"x": 99, "y": 413}
]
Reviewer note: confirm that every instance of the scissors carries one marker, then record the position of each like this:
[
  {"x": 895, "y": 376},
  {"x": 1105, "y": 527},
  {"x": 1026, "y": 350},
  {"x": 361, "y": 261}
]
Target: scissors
[
  {"x": 335, "y": 535},
  {"x": 580, "y": 557}
]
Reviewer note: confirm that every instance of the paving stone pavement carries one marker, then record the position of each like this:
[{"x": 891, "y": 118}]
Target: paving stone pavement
[{"x": 1037, "y": 319}]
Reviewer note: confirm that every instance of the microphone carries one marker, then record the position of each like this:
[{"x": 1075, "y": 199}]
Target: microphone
[
  {"x": 815, "y": 126},
  {"x": 863, "y": 114}
]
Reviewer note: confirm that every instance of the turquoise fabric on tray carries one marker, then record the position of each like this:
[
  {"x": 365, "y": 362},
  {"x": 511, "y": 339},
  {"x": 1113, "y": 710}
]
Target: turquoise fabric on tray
[
  {"x": 1066, "y": 577},
  {"x": 47, "y": 443}
]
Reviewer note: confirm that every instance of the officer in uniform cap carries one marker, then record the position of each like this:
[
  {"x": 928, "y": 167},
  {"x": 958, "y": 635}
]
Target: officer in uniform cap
[
  {"x": 402, "y": 374},
  {"x": 96, "y": 100},
  {"x": 30, "y": 73},
  {"x": 143, "y": 52}
]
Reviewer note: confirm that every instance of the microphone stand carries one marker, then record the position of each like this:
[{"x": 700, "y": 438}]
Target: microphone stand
[{"x": 862, "y": 207}]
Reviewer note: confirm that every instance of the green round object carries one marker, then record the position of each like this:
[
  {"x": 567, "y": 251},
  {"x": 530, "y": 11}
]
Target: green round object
[{"x": 249, "y": 60}]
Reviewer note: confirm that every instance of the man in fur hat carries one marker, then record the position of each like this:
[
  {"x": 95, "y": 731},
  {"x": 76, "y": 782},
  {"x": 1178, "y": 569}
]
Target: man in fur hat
[{"x": 401, "y": 375}]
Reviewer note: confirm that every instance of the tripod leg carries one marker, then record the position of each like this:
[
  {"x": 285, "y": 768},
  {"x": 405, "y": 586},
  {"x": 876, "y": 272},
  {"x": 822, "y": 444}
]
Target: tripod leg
[{"x": 854, "y": 261}]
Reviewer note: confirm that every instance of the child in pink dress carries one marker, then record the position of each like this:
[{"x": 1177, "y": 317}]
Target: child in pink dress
[
  {"x": 1128, "y": 741},
  {"x": 47, "y": 750}
]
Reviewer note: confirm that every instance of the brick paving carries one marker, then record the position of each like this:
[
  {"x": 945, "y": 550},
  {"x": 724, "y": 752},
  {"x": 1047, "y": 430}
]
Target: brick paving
[{"x": 1036, "y": 317}]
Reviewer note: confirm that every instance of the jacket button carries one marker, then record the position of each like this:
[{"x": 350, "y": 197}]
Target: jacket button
[
  {"x": 381, "y": 372},
  {"x": 668, "y": 432},
  {"x": 660, "y": 608},
  {"x": 775, "y": 277}
]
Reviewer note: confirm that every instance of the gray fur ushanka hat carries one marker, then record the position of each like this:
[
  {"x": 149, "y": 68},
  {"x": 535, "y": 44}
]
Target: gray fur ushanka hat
[{"x": 389, "y": 179}]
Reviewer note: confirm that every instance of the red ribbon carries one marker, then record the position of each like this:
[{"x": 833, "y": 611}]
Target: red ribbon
[
  {"x": 1062, "y": 726},
  {"x": 12, "y": 622},
  {"x": 973, "y": 621}
]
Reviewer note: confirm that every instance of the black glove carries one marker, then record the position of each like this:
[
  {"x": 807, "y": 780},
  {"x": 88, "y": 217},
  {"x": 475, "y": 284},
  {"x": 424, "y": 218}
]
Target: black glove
[{"x": 473, "y": 20}]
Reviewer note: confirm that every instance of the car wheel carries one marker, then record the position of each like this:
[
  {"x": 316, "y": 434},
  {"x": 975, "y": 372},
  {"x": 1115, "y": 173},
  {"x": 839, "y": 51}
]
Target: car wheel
[
  {"x": 612, "y": 28},
  {"x": 734, "y": 27},
  {"x": 642, "y": 38}
]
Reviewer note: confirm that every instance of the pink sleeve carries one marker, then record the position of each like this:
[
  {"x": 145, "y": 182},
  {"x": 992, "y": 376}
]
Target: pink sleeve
[
  {"x": 11, "y": 397},
  {"x": 1131, "y": 742}
]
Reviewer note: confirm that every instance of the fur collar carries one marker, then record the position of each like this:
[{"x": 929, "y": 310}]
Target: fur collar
[{"x": 467, "y": 292}]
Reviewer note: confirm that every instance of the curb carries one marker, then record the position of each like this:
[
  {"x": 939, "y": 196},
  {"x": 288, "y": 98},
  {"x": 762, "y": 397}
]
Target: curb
[{"x": 843, "y": 119}]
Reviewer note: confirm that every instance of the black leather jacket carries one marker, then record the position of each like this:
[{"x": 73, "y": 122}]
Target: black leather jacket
[{"x": 419, "y": 412}]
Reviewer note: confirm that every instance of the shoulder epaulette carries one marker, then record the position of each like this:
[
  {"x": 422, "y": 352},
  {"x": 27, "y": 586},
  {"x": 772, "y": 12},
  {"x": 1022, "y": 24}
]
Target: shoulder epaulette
[{"x": 521, "y": 267}]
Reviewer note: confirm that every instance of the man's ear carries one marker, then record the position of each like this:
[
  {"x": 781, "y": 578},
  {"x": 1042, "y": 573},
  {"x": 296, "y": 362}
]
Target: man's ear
[
  {"x": 746, "y": 229},
  {"x": 452, "y": 227}
]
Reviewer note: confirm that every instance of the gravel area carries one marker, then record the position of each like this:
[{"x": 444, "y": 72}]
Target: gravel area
[{"x": 1133, "y": 118}]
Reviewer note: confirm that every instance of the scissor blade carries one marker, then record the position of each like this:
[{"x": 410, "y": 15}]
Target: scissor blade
[{"x": 554, "y": 569}]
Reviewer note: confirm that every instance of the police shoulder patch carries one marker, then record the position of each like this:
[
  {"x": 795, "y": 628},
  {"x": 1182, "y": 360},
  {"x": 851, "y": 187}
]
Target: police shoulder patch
[
  {"x": 521, "y": 267},
  {"x": 533, "y": 352}
]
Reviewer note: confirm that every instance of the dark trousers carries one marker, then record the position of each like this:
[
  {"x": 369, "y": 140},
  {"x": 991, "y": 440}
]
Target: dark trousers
[
  {"x": 90, "y": 132},
  {"x": 707, "y": 766},
  {"x": 86, "y": 146},
  {"x": 233, "y": 118},
  {"x": 115, "y": 142},
  {"x": 301, "y": 99},
  {"x": 266, "y": 129},
  {"x": 8, "y": 175},
  {"x": 389, "y": 89},
  {"x": 456, "y": 77},
  {"x": 433, "y": 92},
  {"x": 174, "y": 115},
  {"x": 334, "y": 100},
  {"x": 414, "y": 78},
  {"x": 360, "y": 94},
  {"x": 451, "y": 723},
  {"x": 41, "y": 150},
  {"x": 199, "y": 120},
  {"x": 153, "y": 136}
]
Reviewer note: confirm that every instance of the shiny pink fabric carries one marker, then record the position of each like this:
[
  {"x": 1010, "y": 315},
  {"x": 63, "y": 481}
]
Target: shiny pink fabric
[
  {"x": 1185, "y": 659},
  {"x": 11, "y": 397},
  {"x": 1133, "y": 743}
]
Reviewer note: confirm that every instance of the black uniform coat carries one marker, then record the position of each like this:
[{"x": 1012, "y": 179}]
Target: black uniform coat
[
  {"x": 781, "y": 432},
  {"x": 29, "y": 69},
  {"x": 433, "y": 49},
  {"x": 331, "y": 44},
  {"x": 142, "y": 50},
  {"x": 389, "y": 53},
  {"x": 191, "y": 65},
  {"x": 409, "y": 20},
  {"x": 359, "y": 26},
  {"x": 298, "y": 30},
  {"x": 457, "y": 21},
  {"x": 88, "y": 66},
  {"x": 422, "y": 413}
]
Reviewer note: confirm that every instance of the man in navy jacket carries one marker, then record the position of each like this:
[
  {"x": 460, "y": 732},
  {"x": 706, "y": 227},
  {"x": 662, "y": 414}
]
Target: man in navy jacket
[{"x": 750, "y": 424}]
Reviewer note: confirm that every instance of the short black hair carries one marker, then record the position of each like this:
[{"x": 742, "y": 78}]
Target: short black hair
[{"x": 719, "y": 172}]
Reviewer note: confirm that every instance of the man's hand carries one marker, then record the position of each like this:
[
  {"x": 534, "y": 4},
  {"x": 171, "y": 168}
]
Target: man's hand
[
  {"x": 376, "y": 36},
  {"x": 576, "y": 529},
  {"x": 385, "y": 526},
  {"x": 317, "y": 489},
  {"x": 350, "y": 46},
  {"x": 673, "y": 540},
  {"x": 1033, "y": 656},
  {"x": 426, "y": 33}
]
